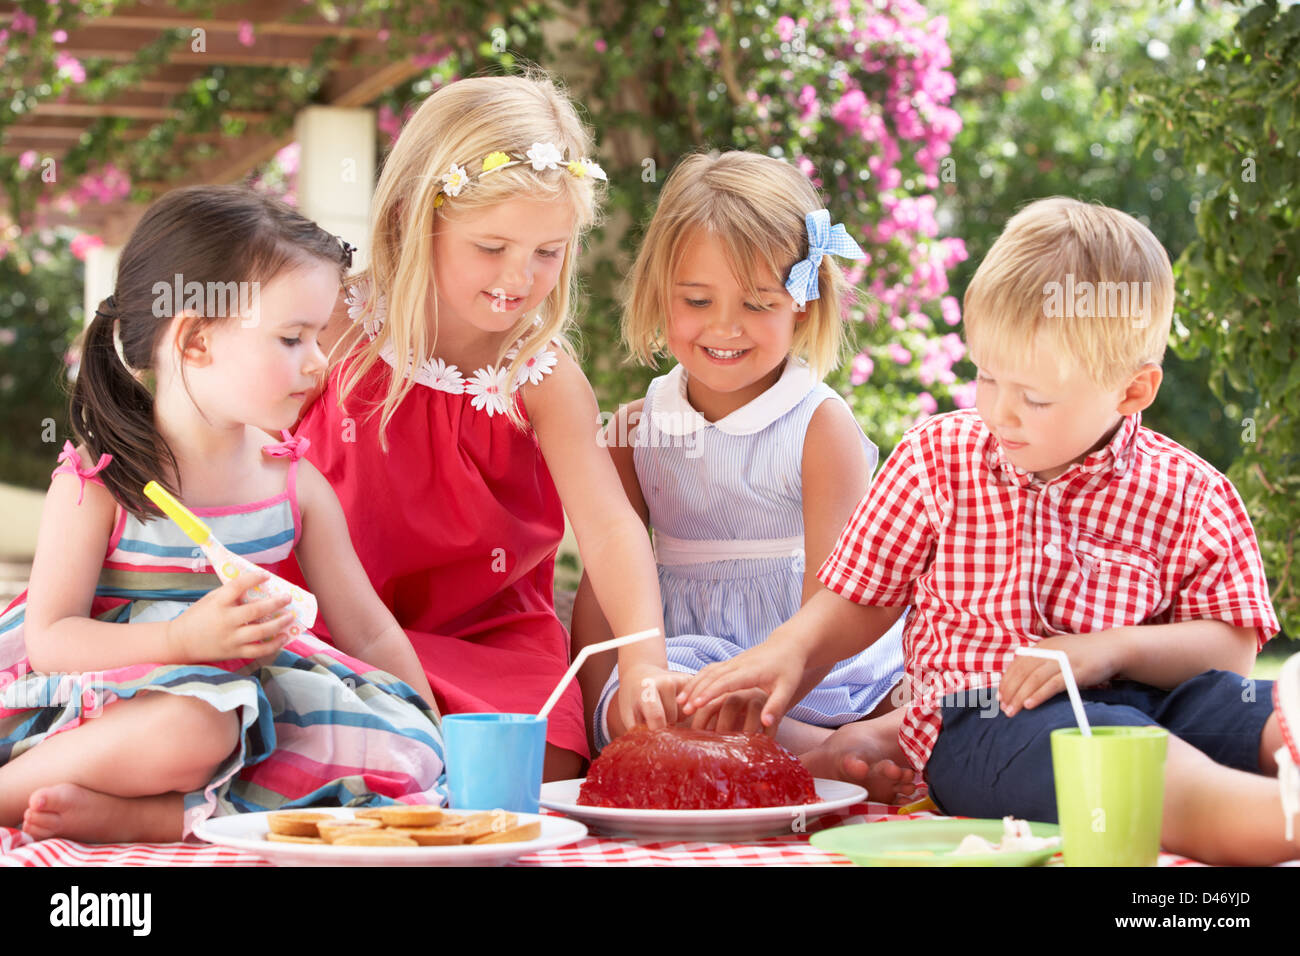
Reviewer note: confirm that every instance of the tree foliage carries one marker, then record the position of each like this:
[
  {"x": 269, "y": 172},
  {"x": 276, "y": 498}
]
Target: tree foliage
[{"x": 1233, "y": 115}]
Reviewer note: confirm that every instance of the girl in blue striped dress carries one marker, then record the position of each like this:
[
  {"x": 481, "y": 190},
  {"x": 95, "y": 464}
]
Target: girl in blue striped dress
[
  {"x": 138, "y": 694},
  {"x": 742, "y": 461}
]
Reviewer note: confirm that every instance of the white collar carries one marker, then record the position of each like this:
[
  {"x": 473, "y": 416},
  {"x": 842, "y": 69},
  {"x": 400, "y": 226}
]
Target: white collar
[{"x": 674, "y": 414}]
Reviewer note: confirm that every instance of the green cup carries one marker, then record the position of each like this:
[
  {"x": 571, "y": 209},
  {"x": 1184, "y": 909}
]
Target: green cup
[{"x": 1110, "y": 790}]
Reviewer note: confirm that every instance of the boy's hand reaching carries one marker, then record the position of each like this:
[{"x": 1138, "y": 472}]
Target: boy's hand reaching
[
  {"x": 1029, "y": 681},
  {"x": 768, "y": 668},
  {"x": 739, "y": 712}
]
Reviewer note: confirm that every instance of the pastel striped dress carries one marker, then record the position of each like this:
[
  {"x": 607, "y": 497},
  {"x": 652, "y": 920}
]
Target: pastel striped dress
[
  {"x": 320, "y": 728},
  {"x": 726, "y": 506}
]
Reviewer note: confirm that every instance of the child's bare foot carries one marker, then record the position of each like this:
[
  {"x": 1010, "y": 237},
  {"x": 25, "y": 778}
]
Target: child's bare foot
[
  {"x": 866, "y": 755},
  {"x": 88, "y": 816}
]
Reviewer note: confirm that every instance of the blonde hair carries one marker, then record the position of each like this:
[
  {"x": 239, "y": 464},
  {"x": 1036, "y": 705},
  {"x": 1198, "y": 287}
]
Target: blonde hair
[
  {"x": 463, "y": 123},
  {"x": 1090, "y": 279},
  {"x": 754, "y": 206}
]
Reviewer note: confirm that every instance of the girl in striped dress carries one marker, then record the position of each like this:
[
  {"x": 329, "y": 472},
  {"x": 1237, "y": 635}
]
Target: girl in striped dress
[
  {"x": 138, "y": 695},
  {"x": 742, "y": 461}
]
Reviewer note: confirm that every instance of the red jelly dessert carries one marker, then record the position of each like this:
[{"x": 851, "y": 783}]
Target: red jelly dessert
[{"x": 682, "y": 769}]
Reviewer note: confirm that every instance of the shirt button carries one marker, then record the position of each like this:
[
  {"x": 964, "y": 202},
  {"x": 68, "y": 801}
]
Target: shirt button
[
  {"x": 1051, "y": 551},
  {"x": 1055, "y": 492}
]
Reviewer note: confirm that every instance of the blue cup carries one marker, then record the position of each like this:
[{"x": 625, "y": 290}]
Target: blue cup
[{"x": 494, "y": 761}]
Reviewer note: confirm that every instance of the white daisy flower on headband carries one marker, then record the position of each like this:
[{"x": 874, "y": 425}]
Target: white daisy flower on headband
[
  {"x": 455, "y": 181},
  {"x": 488, "y": 388},
  {"x": 544, "y": 156},
  {"x": 590, "y": 167}
]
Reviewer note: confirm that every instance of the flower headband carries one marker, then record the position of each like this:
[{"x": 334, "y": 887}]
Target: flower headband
[
  {"x": 822, "y": 238},
  {"x": 541, "y": 156}
]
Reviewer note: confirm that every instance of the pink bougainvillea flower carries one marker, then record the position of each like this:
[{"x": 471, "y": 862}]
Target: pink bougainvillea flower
[
  {"x": 69, "y": 67},
  {"x": 950, "y": 308},
  {"x": 862, "y": 368},
  {"x": 963, "y": 395},
  {"x": 81, "y": 245}
]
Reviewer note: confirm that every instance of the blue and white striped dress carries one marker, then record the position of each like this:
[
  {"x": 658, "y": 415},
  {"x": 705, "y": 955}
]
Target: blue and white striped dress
[{"x": 726, "y": 505}]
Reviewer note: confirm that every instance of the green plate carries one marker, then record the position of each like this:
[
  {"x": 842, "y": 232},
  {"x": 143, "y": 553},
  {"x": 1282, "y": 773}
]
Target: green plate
[{"x": 928, "y": 843}]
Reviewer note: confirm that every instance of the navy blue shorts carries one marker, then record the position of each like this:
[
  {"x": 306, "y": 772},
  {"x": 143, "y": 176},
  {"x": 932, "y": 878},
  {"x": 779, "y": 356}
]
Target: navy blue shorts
[{"x": 988, "y": 765}]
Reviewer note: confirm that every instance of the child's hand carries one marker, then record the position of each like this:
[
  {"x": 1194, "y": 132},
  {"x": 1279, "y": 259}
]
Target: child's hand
[
  {"x": 738, "y": 712},
  {"x": 767, "y": 668},
  {"x": 218, "y": 628},
  {"x": 1029, "y": 681},
  {"x": 648, "y": 695}
]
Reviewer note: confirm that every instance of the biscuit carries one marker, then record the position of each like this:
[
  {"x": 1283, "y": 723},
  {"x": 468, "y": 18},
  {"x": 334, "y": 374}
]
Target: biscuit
[
  {"x": 332, "y": 831},
  {"x": 418, "y": 815},
  {"x": 285, "y": 838},
  {"x": 369, "y": 813},
  {"x": 435, "y": 836},
  {"x": 375, "y": 838},
  {"x": 481, "y": 824},
  {"x": 515, "y": 834},
  {"x": 296, "y": 822}
]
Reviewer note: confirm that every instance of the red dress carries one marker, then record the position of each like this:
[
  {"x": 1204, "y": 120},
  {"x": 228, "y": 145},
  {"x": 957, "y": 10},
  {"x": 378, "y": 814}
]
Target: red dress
[{"x": 457, "y": 526}]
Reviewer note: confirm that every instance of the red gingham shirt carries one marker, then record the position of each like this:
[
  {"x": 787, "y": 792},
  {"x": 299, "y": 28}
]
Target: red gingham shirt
[{"x": 991, "y": 558}]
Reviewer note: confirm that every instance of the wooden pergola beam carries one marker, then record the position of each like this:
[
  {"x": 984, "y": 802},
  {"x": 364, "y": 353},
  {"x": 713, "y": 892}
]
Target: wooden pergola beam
[
  {"x": 282, "y": 17},
  {"x": 20, "y": 138},
  {"x": 281, "y": 38},
  {"x": 98, "y": 42},
  {"x": 164, "y": 75},
  {"x": 315, "y": 31},
  {"x": 100, "y": 110}
]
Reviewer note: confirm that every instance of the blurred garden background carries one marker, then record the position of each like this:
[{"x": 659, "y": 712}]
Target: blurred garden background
[{"x": 925, "y": 125}]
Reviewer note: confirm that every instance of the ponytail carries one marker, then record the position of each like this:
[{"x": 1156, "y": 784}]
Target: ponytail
[{"x": 112, "y": 410}]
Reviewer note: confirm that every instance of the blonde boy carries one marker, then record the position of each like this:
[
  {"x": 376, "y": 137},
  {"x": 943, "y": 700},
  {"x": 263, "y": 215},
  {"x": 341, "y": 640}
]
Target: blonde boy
[{"x": 1048, "y": 516}]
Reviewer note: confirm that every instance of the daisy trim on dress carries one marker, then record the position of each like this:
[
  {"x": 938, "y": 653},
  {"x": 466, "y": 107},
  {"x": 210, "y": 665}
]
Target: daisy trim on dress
[
  {"x": 488, "y": 388},
  {"x": 535, "y": 368},
  {"x": 485, "y": 385}
]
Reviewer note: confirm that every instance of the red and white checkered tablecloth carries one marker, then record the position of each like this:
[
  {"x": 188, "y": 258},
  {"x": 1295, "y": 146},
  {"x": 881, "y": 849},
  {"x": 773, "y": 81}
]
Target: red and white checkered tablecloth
[{"x": 17, "y": 849}]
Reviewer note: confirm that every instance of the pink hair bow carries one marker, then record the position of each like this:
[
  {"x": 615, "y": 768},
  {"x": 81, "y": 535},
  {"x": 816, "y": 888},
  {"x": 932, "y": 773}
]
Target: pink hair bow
[{"x": 73, "y": 460}]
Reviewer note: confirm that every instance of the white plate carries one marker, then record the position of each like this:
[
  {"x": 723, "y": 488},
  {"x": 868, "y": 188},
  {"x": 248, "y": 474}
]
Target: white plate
[
  {"x": 720, "y": 826},
  {"x": 247, "y": 831}
]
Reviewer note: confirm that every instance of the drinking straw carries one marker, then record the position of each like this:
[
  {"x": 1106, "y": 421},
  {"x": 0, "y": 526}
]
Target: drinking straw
[
  {"x": 1071, "y": 687},
  {"x": 925, "y": 803},
  {"x": 582, "y": 657}
]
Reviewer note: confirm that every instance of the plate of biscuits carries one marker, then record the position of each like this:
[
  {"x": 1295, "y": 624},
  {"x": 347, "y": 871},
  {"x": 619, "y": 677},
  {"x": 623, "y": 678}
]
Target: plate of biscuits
[{"x": 398, "y": 835}]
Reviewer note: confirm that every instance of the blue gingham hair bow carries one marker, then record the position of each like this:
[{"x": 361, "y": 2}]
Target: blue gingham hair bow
[{"x": 822, "y": 238}]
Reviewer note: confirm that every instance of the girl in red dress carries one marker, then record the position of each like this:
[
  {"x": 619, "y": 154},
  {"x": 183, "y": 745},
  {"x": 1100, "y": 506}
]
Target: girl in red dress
[{"x": 458, "y": 429}]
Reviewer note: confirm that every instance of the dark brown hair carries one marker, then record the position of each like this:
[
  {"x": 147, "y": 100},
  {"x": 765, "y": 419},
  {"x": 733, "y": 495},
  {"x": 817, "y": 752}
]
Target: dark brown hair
[{"x": 203, "y": 234}]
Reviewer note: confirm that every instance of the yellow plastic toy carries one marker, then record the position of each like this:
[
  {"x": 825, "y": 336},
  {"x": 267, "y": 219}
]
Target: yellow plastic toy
[{"x": 229, "y": 565}]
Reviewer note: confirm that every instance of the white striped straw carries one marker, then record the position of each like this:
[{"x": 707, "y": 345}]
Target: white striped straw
[
  {"x": 1071, "y": 687},
  {"x": 582, "y": 657}
]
